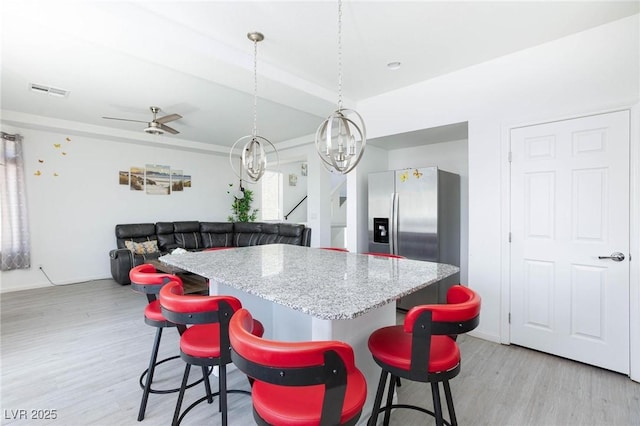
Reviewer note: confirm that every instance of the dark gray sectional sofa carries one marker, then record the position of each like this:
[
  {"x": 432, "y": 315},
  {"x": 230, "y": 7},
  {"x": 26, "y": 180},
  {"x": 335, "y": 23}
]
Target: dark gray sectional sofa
[{"x": 194, "y": 235}]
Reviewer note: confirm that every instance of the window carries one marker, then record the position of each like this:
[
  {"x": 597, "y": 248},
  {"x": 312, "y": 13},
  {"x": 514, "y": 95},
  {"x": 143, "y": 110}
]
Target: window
[{"x": 271, "y": 196}]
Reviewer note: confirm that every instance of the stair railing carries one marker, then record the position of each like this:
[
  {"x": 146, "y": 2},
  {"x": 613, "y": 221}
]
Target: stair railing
[{"x": 286, "y": 216}]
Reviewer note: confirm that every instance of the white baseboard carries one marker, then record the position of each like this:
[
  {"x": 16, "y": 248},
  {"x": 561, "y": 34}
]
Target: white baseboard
[{"x": 485, "y": 336}]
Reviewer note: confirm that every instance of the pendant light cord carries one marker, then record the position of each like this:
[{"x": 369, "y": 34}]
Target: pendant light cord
[
  {"x": 253, "y": 155},
  {"x": 341, "y": 138},
  {"x": 255, "y": 88},
  {"x": 339, "y": 55}
]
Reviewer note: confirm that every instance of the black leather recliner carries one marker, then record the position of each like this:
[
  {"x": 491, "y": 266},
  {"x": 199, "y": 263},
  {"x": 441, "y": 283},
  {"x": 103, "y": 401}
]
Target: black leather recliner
[{"x": 193, "y": 236}]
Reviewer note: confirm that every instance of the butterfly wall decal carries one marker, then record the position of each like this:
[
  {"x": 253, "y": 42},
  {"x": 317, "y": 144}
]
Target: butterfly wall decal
[{"x": 417, "y": 174}]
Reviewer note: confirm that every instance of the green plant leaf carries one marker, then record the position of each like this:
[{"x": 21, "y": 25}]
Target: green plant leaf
[{"x": 241, "y": 208}]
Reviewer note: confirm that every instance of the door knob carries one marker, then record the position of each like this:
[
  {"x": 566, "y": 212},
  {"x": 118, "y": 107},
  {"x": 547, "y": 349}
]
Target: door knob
[{"x": 617, "y": 257}]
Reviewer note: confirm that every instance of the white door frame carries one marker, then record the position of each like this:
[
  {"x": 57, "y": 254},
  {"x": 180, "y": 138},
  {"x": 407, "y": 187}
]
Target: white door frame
[{"x": 634, "y": 228}]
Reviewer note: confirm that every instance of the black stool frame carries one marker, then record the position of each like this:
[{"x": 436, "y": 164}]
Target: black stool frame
[
  {"x": 222, "y": 316},
  {"x": 146, "y": 378}
]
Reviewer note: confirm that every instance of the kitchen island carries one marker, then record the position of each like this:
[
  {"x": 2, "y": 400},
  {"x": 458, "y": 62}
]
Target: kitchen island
[{"x": 303, "y": 293}]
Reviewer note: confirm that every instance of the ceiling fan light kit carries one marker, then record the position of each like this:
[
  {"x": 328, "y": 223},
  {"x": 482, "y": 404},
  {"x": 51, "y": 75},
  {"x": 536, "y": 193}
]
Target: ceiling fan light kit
[
  {"x": 253, "y": 157},
  {"x": 154, "y": 129},
  {"x": 341, "y": 138}
]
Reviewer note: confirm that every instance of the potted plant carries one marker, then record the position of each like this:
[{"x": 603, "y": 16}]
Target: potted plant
[{"x": 241, "y": 206}]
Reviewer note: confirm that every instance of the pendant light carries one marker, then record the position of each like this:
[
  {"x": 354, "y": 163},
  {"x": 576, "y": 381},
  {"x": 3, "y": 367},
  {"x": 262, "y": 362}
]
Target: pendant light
[
  {"x": 341, "y": 138},
  {"x": 253, "y": 157}
]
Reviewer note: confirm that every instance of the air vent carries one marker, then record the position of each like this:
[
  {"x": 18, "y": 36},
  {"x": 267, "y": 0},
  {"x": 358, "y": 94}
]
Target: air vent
[{"x": 53, "y": 91}]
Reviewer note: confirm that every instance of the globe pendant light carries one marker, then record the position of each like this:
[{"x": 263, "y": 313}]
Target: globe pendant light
[
  {"x": 253, "y": 158},
  {"x": 341, "y": 138}
]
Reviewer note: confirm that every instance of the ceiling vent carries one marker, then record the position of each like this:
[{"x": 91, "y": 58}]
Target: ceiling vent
[{"x": 53, "y": 91}]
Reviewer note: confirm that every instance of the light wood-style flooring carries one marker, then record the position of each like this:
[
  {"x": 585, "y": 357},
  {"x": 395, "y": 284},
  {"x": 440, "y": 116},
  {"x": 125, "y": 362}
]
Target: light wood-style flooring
[{"x": 79, "y": 350}]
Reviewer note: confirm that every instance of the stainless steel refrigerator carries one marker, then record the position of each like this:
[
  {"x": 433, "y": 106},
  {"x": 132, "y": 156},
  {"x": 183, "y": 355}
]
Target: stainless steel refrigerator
[{"x": 415, "y": 213}]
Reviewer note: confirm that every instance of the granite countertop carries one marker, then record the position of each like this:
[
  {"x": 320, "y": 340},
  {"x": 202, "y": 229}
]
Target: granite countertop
[{"x": 325, "y": 284}]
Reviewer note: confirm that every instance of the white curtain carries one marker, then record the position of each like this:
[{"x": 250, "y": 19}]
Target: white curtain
[{"x": 15, "y": 251}]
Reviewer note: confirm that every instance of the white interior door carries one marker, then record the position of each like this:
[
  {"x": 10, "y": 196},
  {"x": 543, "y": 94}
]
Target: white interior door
[{"x": 569, "y": 206}]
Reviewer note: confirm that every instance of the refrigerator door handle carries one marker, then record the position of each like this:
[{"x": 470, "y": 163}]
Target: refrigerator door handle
[
  {"x": 391, "y": 223},
  {"x": 394, "y": 224}
]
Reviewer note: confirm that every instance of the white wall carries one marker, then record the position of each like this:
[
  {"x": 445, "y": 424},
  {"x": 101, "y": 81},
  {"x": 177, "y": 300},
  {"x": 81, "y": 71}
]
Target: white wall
[
  {"x": 590, "y": 71},
  {"x": 374, "y": 160},
  {"x": 72, "y": 216},
  {"x": 451, "y": 157},
  {"x": 318, "y": 188},
  {"x": 291, "y": 195}
]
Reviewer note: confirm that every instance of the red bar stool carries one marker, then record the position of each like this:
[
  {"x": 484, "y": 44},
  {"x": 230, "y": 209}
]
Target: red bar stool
[
  {"x": 298, "y": 383},
  {"x": 146, "y": 280},
  {"x": 205, "y": 342},
  {"x": 335, "y": 249},
  {"x": 424, "y": 350}
]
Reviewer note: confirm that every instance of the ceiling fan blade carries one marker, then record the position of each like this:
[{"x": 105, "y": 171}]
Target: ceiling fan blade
[
  {"x": 168, "y": 129},
  {"x": 168, "y": 118},
  {"x": 124, "y": 119}
]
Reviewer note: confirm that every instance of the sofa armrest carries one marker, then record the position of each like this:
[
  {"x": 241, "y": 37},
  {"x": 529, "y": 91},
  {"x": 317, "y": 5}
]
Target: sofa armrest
[
  {"x": 306, "y": 237},
  {"x": 121, "y": 263},
  {"x": 123, "y": 260}
]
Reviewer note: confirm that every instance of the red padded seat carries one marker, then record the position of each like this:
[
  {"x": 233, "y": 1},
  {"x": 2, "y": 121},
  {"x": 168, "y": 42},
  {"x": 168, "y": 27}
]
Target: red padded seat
[
  {"x": 152, "y": 311},
  {"x": 392, "y": 346},
  {"x": 424, "y": 349},
  {"x": 283, "y": 405},
  {"x": 298, "y": 383},
  {"x": 204, "y": 340}
]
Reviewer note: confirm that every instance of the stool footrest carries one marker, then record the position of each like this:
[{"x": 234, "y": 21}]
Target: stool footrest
[
  {"x": 165, "y": 391},
  {"x": 411, "y": 407},
  {"x": 204, "y": 398}
]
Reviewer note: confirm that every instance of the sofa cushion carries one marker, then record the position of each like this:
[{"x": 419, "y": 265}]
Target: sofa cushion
[
  {"x": 246, "y": 233},
  {"x": 166, "y": 239},
  {"x": 290, "y": 233},
  {"x": 216, "y": 234},
  {"x": 137, "y": 232},
  {"x": 253, "y": 233},
  {"x": 187, "y": 235},
  {"x": 269, "y": 234},
  {"x": 144, "y": 247}
]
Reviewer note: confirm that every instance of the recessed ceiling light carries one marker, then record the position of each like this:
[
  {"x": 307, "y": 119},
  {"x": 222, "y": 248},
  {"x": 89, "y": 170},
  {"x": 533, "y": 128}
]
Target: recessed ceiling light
[{"x": 394, "y": 65}]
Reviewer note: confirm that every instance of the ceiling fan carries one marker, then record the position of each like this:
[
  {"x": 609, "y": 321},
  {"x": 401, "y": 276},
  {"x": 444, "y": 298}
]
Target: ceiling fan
[{"x": 156, "y": 125}]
